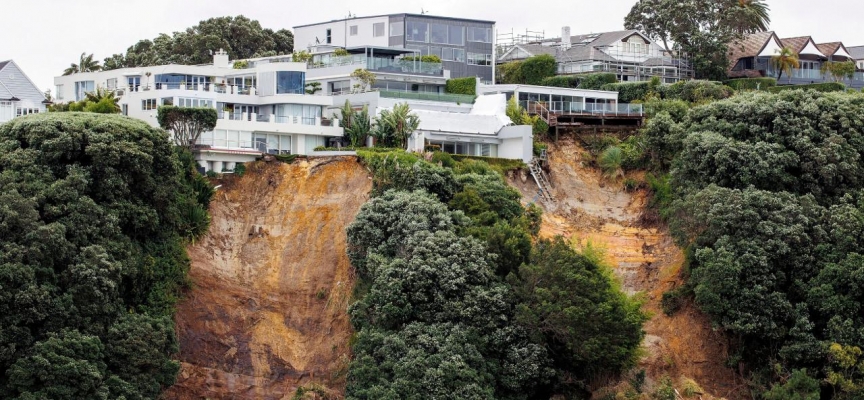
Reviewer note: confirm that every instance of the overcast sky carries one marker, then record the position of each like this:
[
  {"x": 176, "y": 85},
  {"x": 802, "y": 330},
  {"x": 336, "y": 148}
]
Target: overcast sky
[{"x": 45, "y": 36}]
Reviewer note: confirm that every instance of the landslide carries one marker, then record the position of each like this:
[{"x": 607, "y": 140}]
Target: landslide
[
  {"x": 591, "y": 211},
  {"x": 271, "y": 283}
]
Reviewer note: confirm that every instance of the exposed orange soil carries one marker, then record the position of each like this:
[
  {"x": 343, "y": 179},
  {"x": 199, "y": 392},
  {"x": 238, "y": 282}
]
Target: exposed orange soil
[
  {"x": 591, "y": 210},
  {"x": 271, "y": 284}
]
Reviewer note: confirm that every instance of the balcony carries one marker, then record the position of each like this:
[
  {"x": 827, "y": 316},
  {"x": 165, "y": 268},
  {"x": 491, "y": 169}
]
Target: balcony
[
  {"x": 381, "y": 64},
  {"x": 579, "y": 108},
  {"x": 206, "y": 87},
  {"x": 445, "y": 97}
]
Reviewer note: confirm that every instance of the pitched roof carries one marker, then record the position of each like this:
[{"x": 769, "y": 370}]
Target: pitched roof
[
  {"x": 857, "y": 52},
  {"x": 832, "y": 48},
  {"x": 750, "y": 46},
  {"x": 3, "y": 64},
  {"x": 796, "y": 43}
]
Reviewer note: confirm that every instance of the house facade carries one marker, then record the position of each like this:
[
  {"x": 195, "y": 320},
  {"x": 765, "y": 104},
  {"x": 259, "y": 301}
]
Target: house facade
[
  {"x": 857, "y": 53},
  {"x": 752, "y": 58},
  {"x": 262, "y": 108},
  {"x": 629, "y": 54},
  {"x": 19, "y": 96},
  {"x": 465, "y": 46}
]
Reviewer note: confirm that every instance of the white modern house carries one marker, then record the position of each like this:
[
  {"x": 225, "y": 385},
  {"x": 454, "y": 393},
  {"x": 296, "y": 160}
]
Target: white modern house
[
  {"x": 262, "y": 104},
  {"x": 19, "y": 96}
]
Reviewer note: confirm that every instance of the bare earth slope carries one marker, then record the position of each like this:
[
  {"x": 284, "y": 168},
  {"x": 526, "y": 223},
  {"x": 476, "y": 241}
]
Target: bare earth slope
[
  {"x": 646, "y": 260},
  {"x": 271, "y": 282}
]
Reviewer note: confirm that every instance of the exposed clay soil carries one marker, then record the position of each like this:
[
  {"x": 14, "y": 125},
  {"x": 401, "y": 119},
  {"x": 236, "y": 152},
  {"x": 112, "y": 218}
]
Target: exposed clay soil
[
  {"x": 590, "y": 210},
  {"x": 271, "y": 284}
]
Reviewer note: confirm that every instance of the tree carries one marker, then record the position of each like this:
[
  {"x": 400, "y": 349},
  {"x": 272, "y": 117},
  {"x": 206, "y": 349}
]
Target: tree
[
  {"x": 701, "y": 29},
  {"x": 366, "y": 78},
  {"x": 839, "y": 70},
  {"x": 357, "y": 124},
  {"x": 784, "y": 61},
  {"x": 301, "y": 56},
  {"x": 102, "y": 101},
  {"x": 535, "y": 69},
  {"x": 393, "y": 127},
  {"x": 186, "y": 123},
  {"x": 799, "y": 386},
  {"x": 241, "y": 37},
  {"x": 313, "y": 87},
  {"x": 510, "y": 73},
  {"x": 85, "y": 64}
]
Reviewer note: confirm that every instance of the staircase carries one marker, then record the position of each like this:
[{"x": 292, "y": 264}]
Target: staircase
[{"x": 542, "y": 181}]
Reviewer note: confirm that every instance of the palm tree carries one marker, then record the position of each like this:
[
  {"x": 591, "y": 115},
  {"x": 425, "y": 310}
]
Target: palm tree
[
  {"x": 104, "y": 96},
  {"x": 393, "y": 127},
  {"x": 784, "y": 61},
  {"x": 749, "y": 16},
  {"x": 85, "y": 64}
]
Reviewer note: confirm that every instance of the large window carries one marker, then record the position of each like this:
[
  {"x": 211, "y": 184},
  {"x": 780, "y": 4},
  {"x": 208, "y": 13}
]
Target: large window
[
  {"x": 329, "y": 36},
  {"x": 149, "y": 104},
  {"x": 417, "y": 31},
  {"x": 435, "y": 51},
  {"x": 81, "y": 88},
  {"x": 290, "y": 82},
  {"x": 457, "y": 35},
  {"x": 378, "y": 29},
  {"x": 340, "y": 87},
  {"x": 438, "y": 33},
  {"x": 189, "y": 102},
  {"x": 479, "y": 59},
  {"x": 111, "y": 83},
  {"x": 468, "y": 149},
  {"x": 450, "y": 54},
  {"x": 482, "y": 35},
  {"x": 58, "y": 92},
  {"x": 297, "y": 114},
  {"x": 26, "y": 111},
  {"x": 397, "y": 28}
]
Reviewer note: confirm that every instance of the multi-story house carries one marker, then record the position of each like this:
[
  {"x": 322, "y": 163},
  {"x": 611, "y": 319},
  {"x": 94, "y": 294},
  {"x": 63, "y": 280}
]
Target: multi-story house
[
  {"x": 18, "y": 94},
  {"x": 629, "y": 54},
  {"x": 857, "y": 53},
  {"x": 751, "y": 57},
  {"x": 465, "y": 46},
  {"x": 262, "y": 104}
]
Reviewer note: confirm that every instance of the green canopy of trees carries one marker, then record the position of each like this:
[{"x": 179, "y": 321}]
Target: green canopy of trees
[
  {"x": 94, "y": 213},
  {"x": 240, "y": 36},
  {"x": 770, "y": 203},
  {"x": 453, "y": 302}
]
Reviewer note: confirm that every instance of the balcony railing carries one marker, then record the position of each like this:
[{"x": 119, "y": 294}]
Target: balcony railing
[
  {"x": 277, "y": 119},
  {"x": 450, "y": 98},
  {"x": 812, "y": 74},
  {"x": 380, "y": 64},
  {"x": 575, "y": 107},
  {"x": 206, "y": 87}
]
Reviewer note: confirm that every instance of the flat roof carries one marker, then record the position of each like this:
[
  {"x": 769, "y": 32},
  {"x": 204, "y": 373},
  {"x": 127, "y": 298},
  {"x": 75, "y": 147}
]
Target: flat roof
[{"x": 400, "y": 15}]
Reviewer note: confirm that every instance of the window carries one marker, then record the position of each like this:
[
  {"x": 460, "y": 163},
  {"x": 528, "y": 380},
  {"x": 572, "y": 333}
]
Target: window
[
  {"x": 352, "y": 30},
  {"x": 447, "y": 54},
  {"x": 297, "y": 114},
  {"x": 435, "y": 51},
  {"x": 191, "y": 102},
  {"x": 378, "y": 29},
  {"x": 397, "y": 28},
  {"x": 111, "y": 84},
  {"x": 479, "y": 59},
  {"x": 482, "y": 35},
  {"x": 290, "y": 82},
  {"x": 459, "y": 55},
  {"x": 58, "y": 92},
  {"x": 340, "y": 87},
  {"x": 167, "y": 101},
  {"x": 20, "y": 112},
  {"x": 7, "y": 111},
  {"x": 457, "y": 36},
  {"x": 148, "y": 104},
  {"x": 329, "y": 36},
  {"x": 438, "y": 33},
  {"x": 124, "y": 109},
  {"x": 81, "y": 88},
  {"x": 417, "y": 31},
  {"x": 134, "y": 82}
]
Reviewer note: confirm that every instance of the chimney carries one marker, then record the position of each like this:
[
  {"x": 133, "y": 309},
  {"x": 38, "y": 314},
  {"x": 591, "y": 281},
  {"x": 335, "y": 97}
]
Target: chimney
[
  {"x": 220, "y": 59},
  {"x": 565, "y": 38}
]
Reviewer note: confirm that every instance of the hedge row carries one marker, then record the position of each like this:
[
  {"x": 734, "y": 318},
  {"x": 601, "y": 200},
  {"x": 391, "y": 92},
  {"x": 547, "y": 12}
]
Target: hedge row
[
  {"x": 752, "y": 83},
  {"x": 589, "y": 81},
  {"x": 819, "y": 87},
  {"x": 693, "y": 91},
  {"x": 462, "y": 86}
]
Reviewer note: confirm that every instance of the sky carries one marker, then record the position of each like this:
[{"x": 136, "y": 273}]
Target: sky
[{"x": 45, "y": 36}]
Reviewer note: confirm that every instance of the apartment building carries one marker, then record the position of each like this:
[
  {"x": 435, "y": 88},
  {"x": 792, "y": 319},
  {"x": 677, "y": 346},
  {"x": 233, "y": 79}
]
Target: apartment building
[
  {"x": 465, "y": 46},
  {"x": 629, "y": 54},
  {"x": 19, "y": 96},
  {"x": 262, "y": 104}
]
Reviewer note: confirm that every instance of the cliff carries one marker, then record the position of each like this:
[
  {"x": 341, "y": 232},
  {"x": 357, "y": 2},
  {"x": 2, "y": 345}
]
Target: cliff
[{"x": 271, "y": 283}]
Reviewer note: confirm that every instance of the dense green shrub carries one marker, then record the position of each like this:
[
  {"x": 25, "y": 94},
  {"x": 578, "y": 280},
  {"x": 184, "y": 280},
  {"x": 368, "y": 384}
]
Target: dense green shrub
[
  {"x": 94, "y": 213},
  {"x": 696, "y": 91},
  {"x": 819, "y": 87},
  {"x": 597, "y": 80},
  {"x": 535, "y": 69},
  {"x": 799, "y": 386},
  {"x": 610, "y": 161},
  {"x": 467, "y": 85},
  {"x": 629, "y": 92},
  {"x": 751, "y": 83},
  {"x": 405, "y": 171},
  {"x": 562, "y": 81},
  {"x": 509, "y": 73},
  {"x": 677, "y": 109}
]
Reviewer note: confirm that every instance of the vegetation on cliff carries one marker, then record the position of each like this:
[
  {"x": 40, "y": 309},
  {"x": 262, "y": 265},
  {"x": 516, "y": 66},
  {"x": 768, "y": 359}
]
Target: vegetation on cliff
[
  {"x": 453, "y": 300},
  {"x": 94, "y": 213}
]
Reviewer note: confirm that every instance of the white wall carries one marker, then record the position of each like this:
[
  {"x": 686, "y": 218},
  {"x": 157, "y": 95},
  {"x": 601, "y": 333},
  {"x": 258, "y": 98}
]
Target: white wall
[
  {"x": 304, "y": 37},
  {"x": 517, "y": 143}
]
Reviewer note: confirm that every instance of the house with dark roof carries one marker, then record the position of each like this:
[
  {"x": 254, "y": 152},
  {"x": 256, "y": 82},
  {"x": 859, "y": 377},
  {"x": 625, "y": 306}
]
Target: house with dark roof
[
  {"x": 857, "y": 53},
  {"x": 751, "y": 58},
  {"x": 18, "y": 94},
  {"x": 630, "y": 54}
]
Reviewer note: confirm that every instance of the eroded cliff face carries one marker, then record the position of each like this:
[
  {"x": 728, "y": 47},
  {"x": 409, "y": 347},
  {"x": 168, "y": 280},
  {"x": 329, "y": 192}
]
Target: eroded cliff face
[
  {"x": 271, "y": 284},
  {"x": 591, "y": 210}
]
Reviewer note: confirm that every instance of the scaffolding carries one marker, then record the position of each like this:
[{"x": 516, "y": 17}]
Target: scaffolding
[{"x": 506, "y": 40}]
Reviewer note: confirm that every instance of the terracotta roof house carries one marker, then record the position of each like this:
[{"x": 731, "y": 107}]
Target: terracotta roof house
[
  {"x": 751, "y": 57},
  {"x": 629, "y": 54},
  {"x": 18, "y": 94}
]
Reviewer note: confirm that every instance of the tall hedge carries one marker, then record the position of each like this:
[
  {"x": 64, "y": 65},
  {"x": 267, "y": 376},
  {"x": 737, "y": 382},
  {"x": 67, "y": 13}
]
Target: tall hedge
[
  {"x": 819, "y": 87},
  {"x": 467, "y": 85},
  {"x": 752, "y": 83},
  {"x": 94, "y": 213},
  {"x": 535, "y": 69},
  {"x": 587, "y": 81}
]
